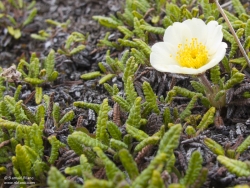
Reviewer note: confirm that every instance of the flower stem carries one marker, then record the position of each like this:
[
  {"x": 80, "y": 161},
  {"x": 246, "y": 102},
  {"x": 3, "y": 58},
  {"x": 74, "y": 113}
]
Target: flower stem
[
  {"x": 203, "y": 79},
  {"x": 232, "y": 31}
]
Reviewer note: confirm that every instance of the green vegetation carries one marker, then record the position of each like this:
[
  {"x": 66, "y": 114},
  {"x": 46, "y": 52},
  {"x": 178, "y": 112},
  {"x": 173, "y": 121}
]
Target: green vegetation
[{"x": 118, "y": 152}]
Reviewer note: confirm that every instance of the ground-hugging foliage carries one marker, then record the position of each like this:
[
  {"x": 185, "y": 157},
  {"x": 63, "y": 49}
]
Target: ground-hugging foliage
[{"x": 119, "y": 146}]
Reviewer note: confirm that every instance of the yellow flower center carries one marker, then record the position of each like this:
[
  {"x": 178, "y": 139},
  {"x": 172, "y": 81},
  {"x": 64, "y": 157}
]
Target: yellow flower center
[{"x": 192, "y": 55}]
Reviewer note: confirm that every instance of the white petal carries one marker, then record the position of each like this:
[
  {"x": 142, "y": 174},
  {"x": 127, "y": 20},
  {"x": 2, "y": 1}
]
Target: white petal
[
  {"x": 160, "y": 63},
  {"x": 214, "y": 37},
  {"x": 221, "y": 51},
  {"x": 177, "y": 34},
  {"x": 181, "y": 70},
  {"x": 164, "y": 49},
  {"x": 198, "y": 29}
]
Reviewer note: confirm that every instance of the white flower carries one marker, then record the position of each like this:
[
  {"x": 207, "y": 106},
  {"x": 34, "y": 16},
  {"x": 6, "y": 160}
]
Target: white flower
[{"x": 190, "y": 47}]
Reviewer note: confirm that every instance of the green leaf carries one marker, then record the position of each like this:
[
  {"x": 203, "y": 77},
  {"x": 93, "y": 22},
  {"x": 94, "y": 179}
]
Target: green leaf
[
  {"x": 117, "y": 144},
  {"x": 106, "y": 78},
  {"x": 150, "y": 97},
  {"x": 79, "y": 138},
  {"x": 93, "y": 106},
  {"x": 235, "y": 79},
  {"x": 77, "y": 50},
  {"x": 56, "y": 114},
  {"x": 239, "y": 8},
  {"x": 234, "y": 166},
  {"x": 215, "y": 74},
  {"x": 128, "y": 163},
  {"x": 199, "y": 87},
  {"x": 142, "y": 180},
  {"x": 135, "y": 114},
  {"x": 56, "y": 144},
  {"x": 136, "y": 133},
  {"x": 130, "y": 91},
  {"x": 23, "y": 161},
  {"x": 170, "y": 140},
  {"x": 187, "y": 112},
  {"x": 16, "y": 33},
  {"x": 94, "y": 183},
  {"x": 56, "y": 179},
  {"x": 101, "y": 126},
  {"x": 91, "y": 75},
  {"x": 214, "y": 146},
  {"x": 244, "y": 145},
  {"x": 114, "y": 130},
  {"x": 111, "y": 169},
  {"x": 122, "y": 103},
  {"x": 153, "y": 140},
  {"x": 39, "y": 95},
  {"x": 156, "y": 180},
  {"x": 194, "y": 168},
  {"x": 31, "y": 17},
  {"x": 107, "y": 22},
  {"x": 207, "y": 119},
  {"x": 69, "y": 116}
]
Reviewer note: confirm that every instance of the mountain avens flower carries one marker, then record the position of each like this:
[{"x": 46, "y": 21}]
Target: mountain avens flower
[{"x": 190, "y": 47}]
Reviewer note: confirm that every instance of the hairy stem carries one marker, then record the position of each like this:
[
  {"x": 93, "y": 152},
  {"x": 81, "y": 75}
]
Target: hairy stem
[{"x": 203, "y": 79}]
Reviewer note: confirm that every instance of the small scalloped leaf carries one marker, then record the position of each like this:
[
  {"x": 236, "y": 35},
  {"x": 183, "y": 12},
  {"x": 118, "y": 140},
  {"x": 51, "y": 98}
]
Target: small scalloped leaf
[
  {"x": 29, "y": 114},
  {"x": 239, "y": 8},
  {"x": 101, "y": 125},
  {"x": 106, "y": 78},
  {"x": 91, "y": 75},
  {"x": 117, "y": 144},
  {"x": 236, "y": 167},
  {"x": 76, "y": 50},
  {"x": 207, "y": 119},
  {"x": 170, "y": 140},
  {"x": 128, "y": 163},
  {"x": 111, "y": 169},
  {"x": 56, "y": 114},
  {"x": 244, "y": 145},
  {"x": 23, "y": 161},
  {"x": 93, "y": 106},
  {"x": 39, "y": 95},
  {"x": 114, "y": 130},
  {"x": 194, "y": 168},
  {"x": 130, "y": 69},
  {"x": 187, "y": 112},
  {"x": 215, "y": 74},
  {"x": 55, "y": 145},
  {"x": 122, "y": 103},
  {"x": 69, "y": 116},
  {"x": 199, "y": 87},
  {"x": 150, "y": 97},
  {"x": 56, "y": 179},
  {"x": 153, "y": 140},
  {"x": 136, "y": 133},
  {"x": 33, "y": 81},
  {"x": 31, "y": 17},
  {"x": 142, "y": 180},
  {"x": 214, "y": 146},
  {"x": 107, "y": 21},
  {"x": 235, "y": 79},
  {"x": 135, "y": 114},
  {"x": 79, "y": 138},
  {"x": 130, "y": 92},
  {"x": 17, "y": 92},
  {"x": 94, "y": 183},
  {"x": 156, "y": 30}
]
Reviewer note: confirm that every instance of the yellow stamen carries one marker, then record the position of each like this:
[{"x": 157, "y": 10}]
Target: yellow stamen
[{"x": 192, "y": 55}]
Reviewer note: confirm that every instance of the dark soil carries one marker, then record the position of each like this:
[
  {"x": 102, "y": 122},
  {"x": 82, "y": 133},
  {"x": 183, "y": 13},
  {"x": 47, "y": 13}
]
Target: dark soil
[{"x": 69, "y": 87}]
